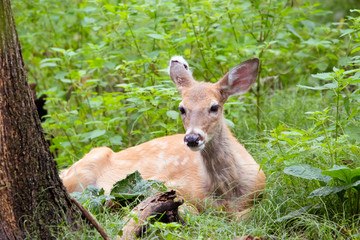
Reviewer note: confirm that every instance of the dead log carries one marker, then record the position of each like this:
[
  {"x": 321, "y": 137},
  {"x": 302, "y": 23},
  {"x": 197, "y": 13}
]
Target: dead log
[{"x": 162, "y": 207}]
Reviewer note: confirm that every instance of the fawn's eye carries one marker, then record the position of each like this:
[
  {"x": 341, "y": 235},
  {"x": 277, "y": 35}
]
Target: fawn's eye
[
  {"x": 214, "y": 108},
  {"x": 182, "y": 110}
]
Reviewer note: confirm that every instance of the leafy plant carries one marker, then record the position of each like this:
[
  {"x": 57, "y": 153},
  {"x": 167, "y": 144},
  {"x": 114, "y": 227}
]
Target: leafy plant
[
  {"x": 340, "y": 79},
  {"x": 134, "y": 187},
  {"x": 125, "y": 192},
  {"x": 340, "y": 181},
  {"x": 93, "y": 198}
]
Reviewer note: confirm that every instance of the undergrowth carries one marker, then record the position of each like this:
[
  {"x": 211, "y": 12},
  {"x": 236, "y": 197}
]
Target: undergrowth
[{"x": 103, "y": 67}]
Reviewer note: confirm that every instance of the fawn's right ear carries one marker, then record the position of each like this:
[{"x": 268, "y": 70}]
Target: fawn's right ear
[
  {"x": 239, "y": 79},
  {"x": 180, "y": 73}
]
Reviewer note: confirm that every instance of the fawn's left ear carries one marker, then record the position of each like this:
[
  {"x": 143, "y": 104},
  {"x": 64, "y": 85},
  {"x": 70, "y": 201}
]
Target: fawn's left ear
[
  {"x": 180, "y": 73},
  {"x": 239, "y": 79}
]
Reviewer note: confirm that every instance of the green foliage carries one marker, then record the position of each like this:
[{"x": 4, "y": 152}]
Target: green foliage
[
  {"x": 307, "y": 172},
  {"x": 125, "y": 192},
  {"x": 134, "y": 187},
  {"x": 103, "y": 66},
  {"x": 93, "y": 198},
  {"x": 102, "y": 63},
  {"x": 341, "y": 181}
]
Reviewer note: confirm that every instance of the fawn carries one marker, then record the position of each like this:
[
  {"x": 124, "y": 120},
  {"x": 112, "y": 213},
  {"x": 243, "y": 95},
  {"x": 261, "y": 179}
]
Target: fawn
[{"x": 206, "y": 162}]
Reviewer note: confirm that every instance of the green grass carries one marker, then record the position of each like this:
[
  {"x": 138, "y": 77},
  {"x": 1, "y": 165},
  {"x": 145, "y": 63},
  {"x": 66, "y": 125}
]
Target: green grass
[{"x": 103, "y": 66}]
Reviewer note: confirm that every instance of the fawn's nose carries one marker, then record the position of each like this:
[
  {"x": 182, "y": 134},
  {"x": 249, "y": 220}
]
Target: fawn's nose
[{"x": 192, "y": 140}]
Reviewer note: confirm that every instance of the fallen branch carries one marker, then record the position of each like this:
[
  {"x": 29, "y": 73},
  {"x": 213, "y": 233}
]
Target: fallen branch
[
  {"x": 163, "y": 206},
  {"x": 90, "y": 218}
]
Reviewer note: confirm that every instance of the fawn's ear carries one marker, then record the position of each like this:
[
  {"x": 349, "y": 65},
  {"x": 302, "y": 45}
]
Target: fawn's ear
[
  {"x": 180, "y": 73},
  {"x": 239, "y": 79}
]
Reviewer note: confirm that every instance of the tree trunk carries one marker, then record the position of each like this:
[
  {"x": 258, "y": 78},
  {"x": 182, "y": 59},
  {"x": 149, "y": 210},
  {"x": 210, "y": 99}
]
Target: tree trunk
[{"x": 33, "y": 200}]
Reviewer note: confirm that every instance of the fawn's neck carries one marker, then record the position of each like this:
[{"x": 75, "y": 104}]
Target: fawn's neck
[{"x": 221, "y": 161}]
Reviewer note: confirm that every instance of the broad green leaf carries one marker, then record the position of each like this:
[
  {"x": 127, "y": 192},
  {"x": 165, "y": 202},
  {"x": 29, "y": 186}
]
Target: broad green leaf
[
  {"x": 294, "y": 214},
  {"x": 344, "y": 61},
  {"x": 346, "y": 32},
  {"x": 87, "y": 20},
  {"x": 326, "y": 86},
  {"x": 156, "y": 36},
  {"x": 353, "y": 131},
  {"x": 133, "y": 186},
  {"x": 50, "y": 60},
  {"x": 230, "y": 123},
  {"x": 308, "y": 24},
  {"x": 324, "y": 76},
  {"x": 96, "y": 133},
  {"x": 307, "y": 172},
  {"x": 58, "y": 50},
  {"x": 48, "y": 64},
  {"x": 343, "y": 173},
  {"x": 92, "y": 135},
  {"x": 116, "y": 140},
  {"x": 172, "y": 114},
  {"x": 356, "y": 49},
  {"x": 288, "y": 133},
  {"x": 326, "y": 191},
  {"x": 356, "y": 184},
  {"x": 221, "y": 58},
  {"x": 351, "y": 72},
  {"x": 65, "y": 80},
  {"x": 322, "y": 66},
  {"x": 92, "y": 198}
]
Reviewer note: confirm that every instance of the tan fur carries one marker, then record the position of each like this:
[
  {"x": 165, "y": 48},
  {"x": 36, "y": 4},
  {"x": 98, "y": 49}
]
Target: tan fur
[{"x": 222, "y": 171}]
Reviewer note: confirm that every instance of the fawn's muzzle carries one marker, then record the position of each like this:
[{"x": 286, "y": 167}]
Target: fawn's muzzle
[{"x": 193, "y": 140}]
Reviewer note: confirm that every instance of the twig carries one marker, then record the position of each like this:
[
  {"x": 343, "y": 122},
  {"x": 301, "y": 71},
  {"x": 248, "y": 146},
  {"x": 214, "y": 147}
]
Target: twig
[{"x": 91, "y": 219}]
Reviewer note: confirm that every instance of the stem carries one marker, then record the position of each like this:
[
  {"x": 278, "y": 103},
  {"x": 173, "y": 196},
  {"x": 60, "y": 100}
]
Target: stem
[
  {"x": 155, "y": 20},
  {"x": 89, "y": 106},
  {"x": 199, "y": 46},
  {"x": 278, "y": 144},
  {"x": 247, "y": 29},
  {"x": 337, "y": 120},
  {"x": 133, "y": 35},
  {"x": 357, "y": 201},
  {"x": 91, "y": 219},
  {"x": 350, "y": 201},
  {"x": 233, "y": 30},
  {"x": 68, "y": 138},
  {"x": 328, "y": 142},
  {"x": 258, "y": 100},
  {"x": 258, "y": 94}
]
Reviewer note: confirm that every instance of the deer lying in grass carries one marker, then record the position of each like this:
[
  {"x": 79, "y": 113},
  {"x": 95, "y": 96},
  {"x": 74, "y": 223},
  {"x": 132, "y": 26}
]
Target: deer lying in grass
[{"x": 211, "y": 164}]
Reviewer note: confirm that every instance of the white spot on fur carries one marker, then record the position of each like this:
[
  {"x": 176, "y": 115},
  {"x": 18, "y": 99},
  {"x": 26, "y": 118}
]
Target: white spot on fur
[
  {"x": 161, "y": 156},
  {"x": 173, "y": 159},
  {"x": 197, "y": 159},
  {"x": 137, "y": 149},
  {"x": 183, "y": 162},
  {"x": 163, "y": 145}
]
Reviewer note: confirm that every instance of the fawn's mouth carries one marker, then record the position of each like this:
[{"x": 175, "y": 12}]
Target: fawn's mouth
[{"x": 196, "y": 148}]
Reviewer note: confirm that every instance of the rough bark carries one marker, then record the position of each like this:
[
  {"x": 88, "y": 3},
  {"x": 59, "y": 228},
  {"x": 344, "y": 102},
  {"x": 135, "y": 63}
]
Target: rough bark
[
  {"x": 33, "y": 200},
  {"x": 162, "y": 205}
]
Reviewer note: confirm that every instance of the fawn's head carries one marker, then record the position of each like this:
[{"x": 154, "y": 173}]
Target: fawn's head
[{"x": 202, "y": 102}]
